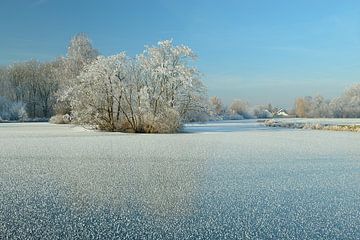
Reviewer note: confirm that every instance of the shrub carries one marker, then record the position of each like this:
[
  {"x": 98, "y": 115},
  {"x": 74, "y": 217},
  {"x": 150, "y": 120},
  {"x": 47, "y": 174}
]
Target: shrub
[
  {"x": 12, "y": 111},
  {"x": 60, "y": 119}
]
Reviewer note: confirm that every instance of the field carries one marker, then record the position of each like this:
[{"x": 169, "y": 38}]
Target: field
[{"x": 229, "y": 180}]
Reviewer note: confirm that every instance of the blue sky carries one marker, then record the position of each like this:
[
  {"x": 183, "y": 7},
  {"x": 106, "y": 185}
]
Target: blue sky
[{"x": 259, "y": 50}]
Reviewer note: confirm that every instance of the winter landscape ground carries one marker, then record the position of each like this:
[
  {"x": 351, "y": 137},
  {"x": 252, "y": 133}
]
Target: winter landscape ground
[{"x": 229, "y": 180}]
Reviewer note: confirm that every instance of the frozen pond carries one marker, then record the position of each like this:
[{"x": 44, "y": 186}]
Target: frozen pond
[
  {"x": 224, "y": 126},
  {"x": 232, "y": 180}
]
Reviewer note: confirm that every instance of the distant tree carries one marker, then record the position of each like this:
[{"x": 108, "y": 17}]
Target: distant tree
[
  {"x": 5, "y": 89},
  {"x": 320, "y": 107},
  {"x": 216, "y": 106},
  {"x": 303, "y": 107},
  {"x": 313, "y": 107},
  {"x": 337, "y": 107},
  {"x": 48, "y": 84},
  {"x": 80, "y": 53},
  {"x": 24, "y": 79},
  {"x": 239, "y": 108},
  {"x": 300, "y": 107},
  {"x": 34, "y": 84},
  {"x": 263, "y": 111},
  {"x": 348, "y": 104},
  {"x": 17, "y": 82},
  {"x": 12, "y": 111}
]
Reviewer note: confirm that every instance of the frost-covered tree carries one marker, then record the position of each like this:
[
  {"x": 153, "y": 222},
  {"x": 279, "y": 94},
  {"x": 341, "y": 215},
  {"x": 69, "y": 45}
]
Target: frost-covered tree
[
  {"x": 48, "y": 84},
  {"x": 172, "y": 86},
  {"x": 33, "y": 83},
  {"x": 337, "y": 106},
  {"x": 216, "y": 106},
  {"x": 320, "y": 107},
  {"x": 305, "y": 107},
  {"x": 155, "y": 92},
  {"x": 348, "y": 104},
  {"x": 98, "y": 98},
  {"x": 24, "y": 80},
  {"x": 80, "y": 54},
  {"x": 239, "y": 109},
  {"x": 4, "y": 83},
  {"x": 263, "y": 111},
  {"x": 12, "y": 111},
  {"x": 312, "y": 107}
]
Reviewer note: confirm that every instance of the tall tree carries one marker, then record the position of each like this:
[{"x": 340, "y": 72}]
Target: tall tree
[{"x": 80, "y": 54}]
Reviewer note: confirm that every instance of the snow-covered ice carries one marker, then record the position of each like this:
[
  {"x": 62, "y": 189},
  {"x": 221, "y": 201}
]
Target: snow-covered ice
[{"x": 239, "y": 181}]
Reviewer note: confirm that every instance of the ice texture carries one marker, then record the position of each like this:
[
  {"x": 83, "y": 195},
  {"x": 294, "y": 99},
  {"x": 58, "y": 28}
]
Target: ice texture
[{"x": 229, "y": 180}]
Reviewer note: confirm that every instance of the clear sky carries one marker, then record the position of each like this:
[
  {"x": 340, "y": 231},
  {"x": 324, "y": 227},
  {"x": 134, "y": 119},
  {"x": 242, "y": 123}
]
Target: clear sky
[{"x": 259, "y": 50}]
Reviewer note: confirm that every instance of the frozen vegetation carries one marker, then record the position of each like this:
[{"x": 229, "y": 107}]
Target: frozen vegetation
[
  {"x": 156, "y": 91},
  {"x": 352, "y": 125},
  {"x": 227, "y": 180}
]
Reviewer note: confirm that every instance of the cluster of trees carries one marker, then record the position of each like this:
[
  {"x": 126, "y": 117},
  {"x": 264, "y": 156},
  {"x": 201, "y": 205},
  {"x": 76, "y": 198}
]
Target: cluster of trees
[
  {"x": 30, "y": 85},
  {"x": 157, "y": 91},
  {"x": 34, "y": 87},
  {"x": 239, "y": 109},
  {"x": 154, "y": 93},
  {"x": 345, "y": 106}
]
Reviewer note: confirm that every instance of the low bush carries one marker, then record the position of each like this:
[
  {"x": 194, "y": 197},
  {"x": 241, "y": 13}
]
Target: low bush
[
  {"x": 60, "y": 119},
  {"x": 12, "y": 111}
]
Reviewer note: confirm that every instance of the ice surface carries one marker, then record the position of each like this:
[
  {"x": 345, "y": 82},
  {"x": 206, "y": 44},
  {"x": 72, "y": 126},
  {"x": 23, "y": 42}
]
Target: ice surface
[{"x": 238, "y": 181}]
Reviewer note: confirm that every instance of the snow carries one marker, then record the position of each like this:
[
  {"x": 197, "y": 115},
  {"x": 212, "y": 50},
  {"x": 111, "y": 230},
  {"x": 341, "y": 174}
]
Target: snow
[
  {"x": 282, "y": 113},
  {"x": 316, "y": 124},
  {"x": 330, "y": 121},
  {"x": 240, "y": 180}
]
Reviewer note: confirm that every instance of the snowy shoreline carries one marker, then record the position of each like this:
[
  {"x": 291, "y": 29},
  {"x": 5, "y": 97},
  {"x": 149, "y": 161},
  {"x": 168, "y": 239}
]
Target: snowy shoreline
[{"x": 349, "y": 125}]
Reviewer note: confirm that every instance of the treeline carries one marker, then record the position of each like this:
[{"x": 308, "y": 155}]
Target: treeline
[
  {"x": 239, "y": 109},
  {"x": 31, "y": 89},
  {"x": 154, "y": 92},
  {"x": 345, "y": 106}
]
